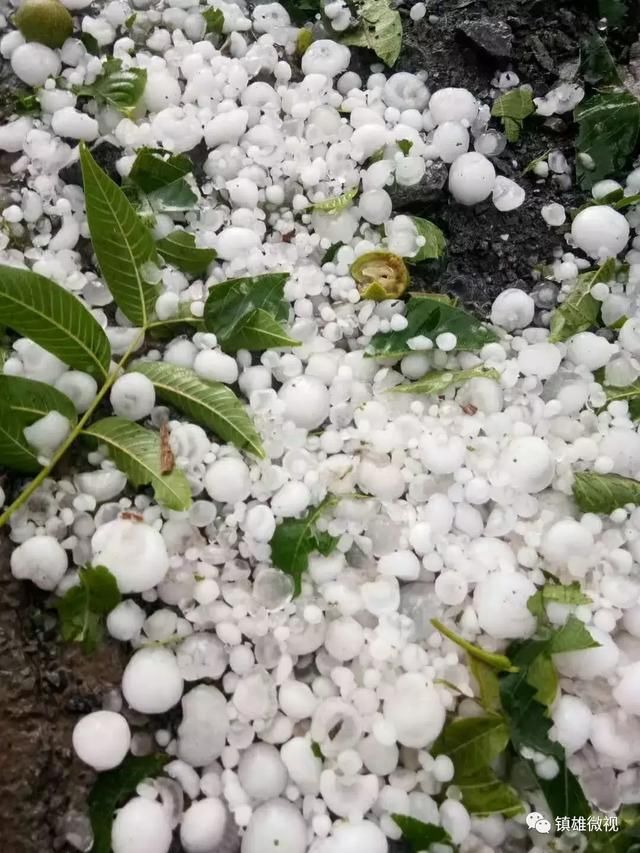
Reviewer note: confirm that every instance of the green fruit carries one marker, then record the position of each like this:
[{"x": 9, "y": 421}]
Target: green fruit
[{"x": 44, "y": 21}]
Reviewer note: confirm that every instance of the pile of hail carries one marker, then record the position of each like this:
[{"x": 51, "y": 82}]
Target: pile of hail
[{"x": 386, "y": 581}]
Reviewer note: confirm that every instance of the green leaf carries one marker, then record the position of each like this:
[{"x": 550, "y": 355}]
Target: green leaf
[
  {"x": 136, "y": 451},
  {"x": 597, "y": 65},
  {"x": 571, "y": 637},
  {"x": 580, "y": 310},
  {"x": 117, "y": 87},
  {"x": 26, "y": 104},
  {"x": 22, "y": 402},
  {"x": 563, "y": 793},
  {"x": 631, "y": 393},
  {"x": 331, "y": 252},
  {"x": 179, "y": 250},
  {"x": 533, "y": 163},
  {"x": 296, "y": 538},
  {"x": 151, "y": 171},
  {"x": 626, "y": 201},
  {"x": 420, "y": 836},
  {"x": 379, "y": 28},
  {"x": 614, "y": 11},
  {"x": 231, "y": 303},
  {"x": 123, "y": 245},
  {"x": 259, "y": 331},
  {"x": 113, "y": 788},
  {"x": 609, "y": 127},
  {"x": 435, "y": 245},
  {"x": 438, "y": 381},
  {"x": 570, "y": 594},
  {"x": 214, "y": 20},
  {"x": 488, "y": 684},
  {"x": 527, "y": 718},
  {"x": 54, "y": 318},
  {"x": 492, "y": 659},
  {"x": 602, "y": 493},
  {"x": 302, "y": 11},
  {"x": 405, "y": 145},
  {"x": 337, "y": 203},
  {"x": 211, "y": 404},
  {"x": 82, "y": 608},
  {"x": 472, "y": 742},
  {"x": 542, "y": 676},
  {"x": 513, "y": 108},
  {"x": 175, "y": 197},
  {"x": 91, "y": 43},
  {"x": 483, "y": 794},
  {"x": 431, "y": 317}
]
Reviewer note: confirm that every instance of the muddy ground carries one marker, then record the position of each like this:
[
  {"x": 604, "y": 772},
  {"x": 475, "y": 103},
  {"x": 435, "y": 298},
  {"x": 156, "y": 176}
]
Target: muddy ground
[{"x": 45, "y": 687}]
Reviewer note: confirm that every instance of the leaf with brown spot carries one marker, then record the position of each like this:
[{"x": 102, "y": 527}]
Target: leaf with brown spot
[{"x": 167, "y": 459}]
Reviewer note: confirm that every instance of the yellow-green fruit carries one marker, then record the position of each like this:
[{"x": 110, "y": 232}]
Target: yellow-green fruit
[{"x": 45, "y": 21}]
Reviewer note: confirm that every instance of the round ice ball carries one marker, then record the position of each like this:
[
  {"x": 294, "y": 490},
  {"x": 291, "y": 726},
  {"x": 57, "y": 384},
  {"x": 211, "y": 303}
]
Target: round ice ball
[
  {"x": 134, "y": 552},
  {"x": 203, "y": 825},
  {"x": 471, "y": 178},
  {"x": 528, "y": 463},
  {"x": 141, "y": 826},
  {"x": 453, "y": 104},
  {"x": 133, "y": 396},
  {"x": 42, "y": 560},
  {"x": 151, "y": 682},
  {"x": 306, "y": 401},
  {"x": 415, "y": 711},
  {"x": 500, "y": 601},
  {"x": 101, "y": 739},
  {"x": 261, "y": 772},
  {"x": 327, "y": 57},
  {"x": 227, "y": 480},
  {"x": 275, "y": 827},
  {"x": 600, "y": 231}
]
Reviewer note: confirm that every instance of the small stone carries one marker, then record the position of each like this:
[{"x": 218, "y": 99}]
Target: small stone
[{"x": 491, "y": 36}]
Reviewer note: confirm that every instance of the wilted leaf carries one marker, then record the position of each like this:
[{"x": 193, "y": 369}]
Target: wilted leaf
[
  {"x": 379, "y": 28},
  {"x": 437, "y": 381},
  {"x": 418, "y": 835},
  {"x": 113, "y": 788},
  {"x": 337, "y": 203},
  {"x": 123, "y": 245},
  {"x": 179, "y": 249},
  {"x": 54, "y": 318},
  {"x": 435, "y": 241},
  {"x": 609, "y": 127},
  {"x": 296, "y": 538},
  {"x": 210, "y": 404},
  {"x": 82, "y": 608},
  {"x": 116, "y": 86},
  {"x": 430, "y": 316},
  {"x": 167, "y": 459},
  {"x": 580, "y": 310},
  {"x": 602, "y": 493},
  {"x": 136, "y": 452}
]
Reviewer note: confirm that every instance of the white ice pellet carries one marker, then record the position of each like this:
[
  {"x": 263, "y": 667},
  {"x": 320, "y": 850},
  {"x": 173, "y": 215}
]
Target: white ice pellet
[
  {"x": 589, "y": 663},
  {"x": 512, "y": 309},
  {"x": 141, "y": 826},
  {"x": 571, "y": 721},
  {"x": 276, "y": 825},
  {"x": 471, "y": 178},
  {"x": 134, "y": 552},
  {"x": 133, "y": 396},
  {"x": 47, "y": 433},
  {"x": 553, "y": 214},
  {"x": 102, "y": 739},
  {"x": 327, "y": 57},
  {"x": 227, "y": 480},
  {"x": 216, "y": 367},
  {"x": 261, "y": 772},
  {"x": 415, "y": 711},
  {"x": 507, "y": 195},
  {"x": 74, "y": 124},
  {"x": 41, "y": 560},
  {"x": 151, "y": 682},
  {"x": 306, "y": 401},
  {"x": 501, "y": 604},
  {"x": 600, "y": 231},
  {"x": 453, "y": 104},
  {"x": 205, "y": 722},
  {"x": 451, "y": 139},
  {"x": 203, "y": 825},
  {"x": 33, "y": 63}
]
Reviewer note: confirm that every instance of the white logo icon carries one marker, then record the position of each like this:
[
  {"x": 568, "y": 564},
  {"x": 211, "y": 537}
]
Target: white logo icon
[{"x": 537, "y": 821}]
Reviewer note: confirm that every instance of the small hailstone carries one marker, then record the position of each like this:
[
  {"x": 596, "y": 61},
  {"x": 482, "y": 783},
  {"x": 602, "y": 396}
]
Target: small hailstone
[
  {"x": 74, "y": 124},
  {"x": 151, "y": 682},
  {"x": 507, "y": 195},
  {"x": 451, "y": 139},
  {"x": 600, "y": 231},
  {"x": 627, "y": 691},
  {"x": 261, "y": 772},
  {"x": 604, "y": 188},
  {"x": 133, "y": 396},
  {"x": 141, "y": 826},
  {"x": 565, "y": 539},
  {"x": 500, "y": 601},
  {"x": 455, "y": 820},
  {"x": 47, "y": 433},
  {"x": 216, "y": 367},
  {"x": 327, "y": 57},
  {"x": 344, "y": 638},
  {"x": 203, "y": 825},
  {"x": 415, "y": 711},
  {"x": 227, "y": 480},
  {"x": 528, "y": 463},
  {"x": 125, "y": 621},
  {"x": 134, "y": 552},
  {"x": 276, "y": 825},
  {"x": 102, "y": 485},
  {"x": 418, "y": 11},
  {"x": 572, "y": 721},
  {"x": 260, "y": 523},
  {"x": 471, "y": 178},
  {"x": 512, "y": 309},
  {"x": 79, "y": 387},
  {"x": 553, "y": 214},
  {"x": 33, "y": 63},
  {"x": 102, "y": 739},
  {"x": 364, "y": 835},
  {"x": 306, "y": 401},
  {"x": 451, "y": 104},
  {"x": 405, "y": 91},
  {"x": 592, "y": 351},
  {"x": 41, "y": 560},
  {"x": 205, "y": 723},
  {"x": 446, "y": 341}
]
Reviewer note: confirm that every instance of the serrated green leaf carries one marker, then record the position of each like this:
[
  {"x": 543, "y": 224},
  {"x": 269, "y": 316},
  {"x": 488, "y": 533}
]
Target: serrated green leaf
[
  {"x": 259, "y": 331},
  {"x": 123, "y": 245},
  {"x": 431, "y": 317},
  {"x": 437, "y": 381},
  {"x": 22, "y": 402},
  {"x": 231, "y": 303},
  {"x": 179, "y": 249},
  {"x": 580, "y": 310},
  {"x": 379, "y": 28},
  {"x": 152, "y": 171},
  {"x": 116, "y": 86},
  {"x": 570, "y": 594},
  {"x": 513, "y": 108},
  {"x": 492, "y": 659},
  {"x": 113, "y": 788},
  {"x": 609, "y": 128},
  {"x": 214, "y": 19},
  {"x": 602, "y": 493},
  {"x": 54, "y": 318},
  {"x": 136, "y": 451},
  {"x": 296, "y": 538},
  {"x": 419, "y": 836},
  {"x": 336, "y": 204},
  {"x": 571, "y": 637},
  {"x": 472, "y": 742},
  {"x": 82, "y": 608},
  {"x": 211, "y": 404},
  {"x": 435, "y": 241},
  {"x": 483, "y": 794},
  {"x": 175, "y": 197},
  {"x": 528, "y": 722}
]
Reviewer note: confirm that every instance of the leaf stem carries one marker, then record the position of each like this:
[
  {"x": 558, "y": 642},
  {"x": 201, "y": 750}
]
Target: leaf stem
[{"x": 42, "y": 475}]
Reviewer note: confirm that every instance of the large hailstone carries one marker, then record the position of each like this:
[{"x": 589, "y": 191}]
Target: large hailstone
[
  {"x": 151, "y": 682},
  {"x": 471, "y": 178},
  {"x": 415, "y": 711},
  {"x": 600, "y": 231},
  {"x": 141, "y": 826},
  {"x": 102, "y": 739},
  {"x": 327, "y": 57},
  {"x": 205, "y": 722},
  {"x": 41, "y": 560},
  {"x": 500, "y": 601},
  {"x": 275, "y": 827},
  {"x": 134, "y": 552}
]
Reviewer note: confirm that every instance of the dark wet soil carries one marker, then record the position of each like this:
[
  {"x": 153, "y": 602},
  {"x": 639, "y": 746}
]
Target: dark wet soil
[{"x": 45, "y": 687}]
